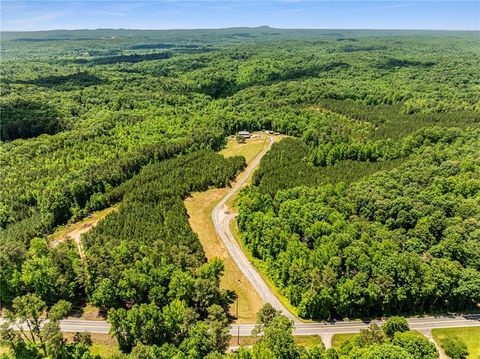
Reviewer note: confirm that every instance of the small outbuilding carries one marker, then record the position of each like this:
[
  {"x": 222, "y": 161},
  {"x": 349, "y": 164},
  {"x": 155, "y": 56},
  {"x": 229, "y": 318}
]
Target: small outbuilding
[{"x": 244, "y": 134}]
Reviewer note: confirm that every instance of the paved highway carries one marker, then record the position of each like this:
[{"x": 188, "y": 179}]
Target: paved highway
[
  {"x": 355, "y": 327},
  {"x": 321, "y": 328}
]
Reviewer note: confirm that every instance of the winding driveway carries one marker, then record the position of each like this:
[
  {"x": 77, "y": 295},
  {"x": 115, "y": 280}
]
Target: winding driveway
[{"x": 221, "y": 219}]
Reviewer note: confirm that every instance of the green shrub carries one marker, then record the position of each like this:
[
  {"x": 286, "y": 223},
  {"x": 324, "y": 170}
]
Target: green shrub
[
  {"x": 394, "y": 325},
  {"x": 454, "y": 347}
]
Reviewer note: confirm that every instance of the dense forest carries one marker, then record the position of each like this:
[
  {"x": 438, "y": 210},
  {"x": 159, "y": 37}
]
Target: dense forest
[
  {"x": 400, "y": 241},
  {"x": 370, "y": 207}
]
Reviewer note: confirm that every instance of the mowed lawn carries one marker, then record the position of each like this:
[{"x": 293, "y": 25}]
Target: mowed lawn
[
  {"x": 250, "y": 149},
  {"x": 469, "y": 335},
  {"x": 338, "y": 339},
  {"x": 199, "y": 207}
]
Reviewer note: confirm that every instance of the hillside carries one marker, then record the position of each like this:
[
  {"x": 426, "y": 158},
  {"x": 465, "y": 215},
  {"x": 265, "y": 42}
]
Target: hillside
[{"x": 370, "y": 207}]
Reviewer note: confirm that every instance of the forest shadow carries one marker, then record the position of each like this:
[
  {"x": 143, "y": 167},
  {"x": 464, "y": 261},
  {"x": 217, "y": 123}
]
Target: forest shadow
[
  {"x": 165, "y": 46},
  {"x": 362, "y": 48},
  {"x": 52, "y": 39},
  {"x": 25, "y": 119},
  {"x": 133, "y": 58},
  {"x": 66, "y": 82},
  {"x": 393, "y": 63},
  {"x": 222, "y": 87}
]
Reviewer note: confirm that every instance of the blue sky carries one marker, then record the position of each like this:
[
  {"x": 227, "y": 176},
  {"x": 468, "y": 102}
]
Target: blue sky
[{"x": 183, "y": 14}]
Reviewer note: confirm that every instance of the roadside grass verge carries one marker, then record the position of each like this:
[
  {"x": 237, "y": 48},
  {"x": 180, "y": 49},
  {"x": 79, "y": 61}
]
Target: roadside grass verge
[
  {"x": 102, "y": 344},
  {"x": 199, "y": 207},
  {"x": 308, "y": 341},
  {"x": 90, "y": 312},
  {"x": 469, "y": 335}
]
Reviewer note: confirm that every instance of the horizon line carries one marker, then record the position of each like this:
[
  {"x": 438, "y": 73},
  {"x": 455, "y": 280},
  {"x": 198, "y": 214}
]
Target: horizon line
[{"x": 241, "y": 27}]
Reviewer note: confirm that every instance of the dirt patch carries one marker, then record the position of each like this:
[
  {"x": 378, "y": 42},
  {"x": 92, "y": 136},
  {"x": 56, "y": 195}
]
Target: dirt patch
[{"x": 75, "y": 231}]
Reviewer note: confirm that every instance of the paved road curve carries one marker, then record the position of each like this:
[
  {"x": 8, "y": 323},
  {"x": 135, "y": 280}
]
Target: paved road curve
[{"x": 221, "y": 220}]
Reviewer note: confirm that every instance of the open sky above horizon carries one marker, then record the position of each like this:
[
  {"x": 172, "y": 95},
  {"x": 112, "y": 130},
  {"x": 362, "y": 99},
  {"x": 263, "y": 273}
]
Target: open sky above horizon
[{"x": 187, "y": 14}]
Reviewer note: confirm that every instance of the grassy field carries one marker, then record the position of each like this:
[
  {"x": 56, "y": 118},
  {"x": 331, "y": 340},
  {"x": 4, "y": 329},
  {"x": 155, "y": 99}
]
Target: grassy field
[
  {"x": 308, "y": 341},
  {"x": 250, "y": 149},
  {"x": 199, "y": 207},
  {"x": 470, "y": 336},
  {"x": 104, "y": 347},
  {"x": 4, "y": 351}
]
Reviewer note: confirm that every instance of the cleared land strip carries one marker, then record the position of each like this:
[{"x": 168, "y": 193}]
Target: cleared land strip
[
  {"x": 221, "y": 218},
  {"x": 199, "y": 207}
]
